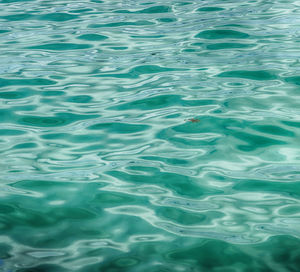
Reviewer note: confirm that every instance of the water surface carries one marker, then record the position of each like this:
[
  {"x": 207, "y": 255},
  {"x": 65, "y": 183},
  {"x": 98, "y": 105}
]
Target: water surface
[{"x": 102, "y": 168}]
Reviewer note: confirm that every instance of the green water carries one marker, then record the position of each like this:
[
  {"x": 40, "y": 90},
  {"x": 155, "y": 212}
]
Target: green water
[{"x": 149, "y": 136}]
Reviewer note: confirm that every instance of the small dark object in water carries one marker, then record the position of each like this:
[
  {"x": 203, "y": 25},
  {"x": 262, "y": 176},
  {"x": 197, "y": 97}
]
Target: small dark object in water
[{"x": 193, "y": 120}]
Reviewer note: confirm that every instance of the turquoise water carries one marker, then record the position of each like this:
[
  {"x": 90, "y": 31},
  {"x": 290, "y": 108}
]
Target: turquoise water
[{"x": 149, "y": 136}]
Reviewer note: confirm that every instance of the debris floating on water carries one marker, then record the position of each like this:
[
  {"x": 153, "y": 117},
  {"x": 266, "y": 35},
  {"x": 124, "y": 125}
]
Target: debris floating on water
[{"x": 193, "y": 120}]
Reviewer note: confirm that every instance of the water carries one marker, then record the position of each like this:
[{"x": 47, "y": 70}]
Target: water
[{"x": 149, "y": 136}]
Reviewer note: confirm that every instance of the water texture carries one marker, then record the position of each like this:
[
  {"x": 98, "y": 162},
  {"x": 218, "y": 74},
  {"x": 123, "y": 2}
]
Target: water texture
[{"x": 149, "y": 136}]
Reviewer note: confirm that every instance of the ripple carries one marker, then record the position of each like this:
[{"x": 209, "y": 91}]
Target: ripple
[
  {"x": 155, "y": 9},
  {"x": 57, "y": 17},
  {"x": 222, "y": 34},
  {"x": 61, "y": 46},
  {"x": 294, "y": 80},
  {"x": 220, "y": 46},
  {"x": 29, "y": 82},
  {"x": 92, "y": 37},
  {"x": 254, "y": 75}
]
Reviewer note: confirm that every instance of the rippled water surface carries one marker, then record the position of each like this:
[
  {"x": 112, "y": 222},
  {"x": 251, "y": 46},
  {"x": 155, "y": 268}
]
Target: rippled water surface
[{"x": 149, "y": 136}]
